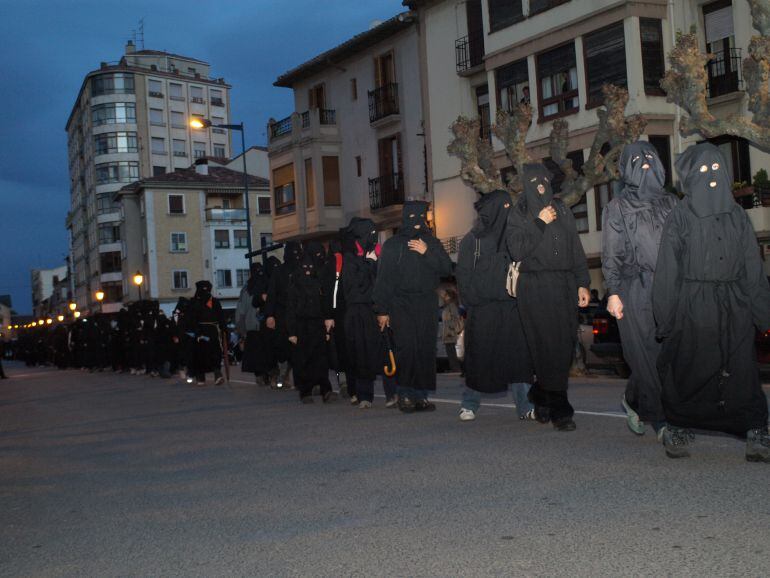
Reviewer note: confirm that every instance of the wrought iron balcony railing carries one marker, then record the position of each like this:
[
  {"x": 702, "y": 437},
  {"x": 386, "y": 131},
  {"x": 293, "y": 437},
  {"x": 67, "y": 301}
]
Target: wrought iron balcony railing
[
  {"x": 383, "y": 101},
  {"x": 386, "y": 190}
]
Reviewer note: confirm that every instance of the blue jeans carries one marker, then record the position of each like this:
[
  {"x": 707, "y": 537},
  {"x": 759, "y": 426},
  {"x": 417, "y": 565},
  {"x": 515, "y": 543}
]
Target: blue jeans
[
  {"x": 412, "y": 393},
  {"x": 472, "y": 398}
]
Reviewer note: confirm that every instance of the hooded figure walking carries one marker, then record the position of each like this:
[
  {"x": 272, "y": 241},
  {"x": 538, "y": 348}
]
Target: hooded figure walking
[
  {"x": 709, "y": 294},
  {"x": 632, "y": 224},
  {"x": 364, "y": 339},
  {"x": 553, "y": 282},
  {"x": 257, "y": 352},
  {"x": 409, "y": 272},
  {"x": 207, "y": 321},
  {"x": 496, "y": 355}
]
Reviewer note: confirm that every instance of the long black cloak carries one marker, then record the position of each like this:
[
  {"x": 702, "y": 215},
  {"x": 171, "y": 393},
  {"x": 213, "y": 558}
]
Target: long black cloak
[
  {"x": 553, "y": 266},
  {"x": 208, "y": 324},
  {"x": 278, "y": 296},
  {"x": 632, "y": 224},
  {"x": 709, "y": 293},
  {"x": 496, "y": 352},
  {"x": 405, "y": 290},
  {"x": 364, "y": 340}
]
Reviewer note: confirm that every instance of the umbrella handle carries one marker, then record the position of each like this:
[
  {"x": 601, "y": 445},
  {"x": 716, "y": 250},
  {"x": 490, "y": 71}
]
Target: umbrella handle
[{"x": 390, "y": 371}]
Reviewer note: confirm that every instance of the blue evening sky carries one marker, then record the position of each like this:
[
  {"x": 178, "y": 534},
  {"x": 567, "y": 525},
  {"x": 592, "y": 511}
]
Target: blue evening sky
[{"x": 49, "y": 45}]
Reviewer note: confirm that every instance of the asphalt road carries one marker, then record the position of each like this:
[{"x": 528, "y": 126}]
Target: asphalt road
[{"x": 116, "y": 475}]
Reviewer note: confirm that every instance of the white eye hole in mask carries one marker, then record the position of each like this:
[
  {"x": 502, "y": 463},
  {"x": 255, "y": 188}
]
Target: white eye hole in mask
[
  {"x": 715, "y": 167},
  {"x": 507, "y": 206},
  {"x": 703, "y": 168},
  {"x": 541, "y": 189}
]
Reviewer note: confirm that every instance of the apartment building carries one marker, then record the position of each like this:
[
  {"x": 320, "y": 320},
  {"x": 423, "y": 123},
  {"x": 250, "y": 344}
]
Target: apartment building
[
  {"x": 482, "y": 55},
  {"x": 189, "y": 225},
  {"x": 130, "y": 121},
  {"x": 44, "y": 283},
  {"x": 355, "y": 145}
]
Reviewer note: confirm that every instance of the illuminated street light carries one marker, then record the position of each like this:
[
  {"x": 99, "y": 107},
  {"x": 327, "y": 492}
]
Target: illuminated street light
[
  {"x": 76, "y": 314},
  {"x": 138, "y": 280},
  {"x": 73, "y": 306},
  {"x": 60, "y": 318},
  {"x": 48, "y": 321}
]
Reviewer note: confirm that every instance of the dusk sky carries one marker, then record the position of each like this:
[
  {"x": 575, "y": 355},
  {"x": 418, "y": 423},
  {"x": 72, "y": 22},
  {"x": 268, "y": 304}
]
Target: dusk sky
[{"x": 48, "y": 47}]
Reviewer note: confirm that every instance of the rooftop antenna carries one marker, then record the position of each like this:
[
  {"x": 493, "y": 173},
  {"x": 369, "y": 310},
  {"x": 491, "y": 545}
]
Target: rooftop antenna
[{"x": 139, "y": 35}]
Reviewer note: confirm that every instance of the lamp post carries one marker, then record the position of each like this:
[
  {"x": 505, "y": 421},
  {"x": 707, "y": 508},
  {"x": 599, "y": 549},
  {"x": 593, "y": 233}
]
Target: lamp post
[
  {"x": 99, "y": 297},
  {"x": 201, "y": 123},
  {"x": 138, "y": 280},
  {"x": 73, "y": 306}
]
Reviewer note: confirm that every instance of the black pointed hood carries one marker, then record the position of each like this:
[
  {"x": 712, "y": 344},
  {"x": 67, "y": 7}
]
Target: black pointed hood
[
  {"x": 642, "y": 171},
  {"x": 317, "y": 252},
  {"x": 706, "y": 180},
  {"x": 273, "y": 263},
  {"x": 365, "y": 232},
  {"x": 203, "y": 290},
  {"x": 292, "y": 252},
  {"x": 493, "y": 209},
  {"x": 414, "y": 215},
  {"x": 533, "y": 176}
]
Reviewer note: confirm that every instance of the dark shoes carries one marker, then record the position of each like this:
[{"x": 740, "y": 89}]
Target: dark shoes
[
  {"x": 424, "y": 405},
  {"x": 218, "y": 379},
  {"x": 564, "y": 424},
  {"x": 306, "y": 399},
  {"x": 329, "y": 396},
  {"x": 676, "y": 440},
  {"x": 758, "y": 445},
  {"x": 542, "y": 414},
  {"x": 406, "y": 404}
]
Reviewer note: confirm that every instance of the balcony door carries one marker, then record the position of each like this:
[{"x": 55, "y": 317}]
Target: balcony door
[
  {"x": 720, "y": 41},
  {"x": 475, "y": 32},
  {"x": 317, "y": 97},
  {"x": 384, "y": 70},
  {"x": 391, "y": 180}
]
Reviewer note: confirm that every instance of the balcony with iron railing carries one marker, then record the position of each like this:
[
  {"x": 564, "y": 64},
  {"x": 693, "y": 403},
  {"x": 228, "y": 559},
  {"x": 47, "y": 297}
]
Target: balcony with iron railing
[
  {"x": 469, "y": 52},
  {"x": 225, "y": 214},
  {"x": 383, "y": 102},
  {"x": 313, "y": 123},
  {"x": 724, "y": 73},
  {"x": 386, "y": 191}
]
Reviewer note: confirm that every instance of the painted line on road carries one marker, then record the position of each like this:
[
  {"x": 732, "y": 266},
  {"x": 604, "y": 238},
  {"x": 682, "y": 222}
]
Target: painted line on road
[{"x": 502, "y": 405}]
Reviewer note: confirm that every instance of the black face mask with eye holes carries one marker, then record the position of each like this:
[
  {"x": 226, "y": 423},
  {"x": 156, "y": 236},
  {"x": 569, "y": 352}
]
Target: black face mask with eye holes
[
  {"x": 534, "y": 176},
  {"x": 706, "y": 180},
  {"x": 414, "y": 219},
  {"x": 641, "y": 170}
]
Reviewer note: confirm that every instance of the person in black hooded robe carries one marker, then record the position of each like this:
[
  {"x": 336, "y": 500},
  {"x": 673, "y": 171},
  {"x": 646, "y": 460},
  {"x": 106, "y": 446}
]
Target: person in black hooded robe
[
  {"x": 553, "y": 282},
  {"x": 275, "y": 310},
  {"x": 496, "y": 355},
  {"x": 409, "y": 272},
  {"x": 257, "y": 350},
  {"x": 307, "y": 322},
  {"x": 339, "y": 361},
  {"x": 632, "y": 224},
  {"x": 364, "y": 339},
  {"x": 207, "y": 321},
  {"x": 709, "y": 293}
]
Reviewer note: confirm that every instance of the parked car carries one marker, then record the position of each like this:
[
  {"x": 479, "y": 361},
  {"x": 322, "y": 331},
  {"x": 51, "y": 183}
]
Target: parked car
[{"x": 600, "y": 338}]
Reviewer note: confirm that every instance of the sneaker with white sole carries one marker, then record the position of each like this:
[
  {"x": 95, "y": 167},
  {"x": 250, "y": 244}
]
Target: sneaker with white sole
[
  {"x": 632, "y": 418},
  {"x": 353, "y": 400},
  {"x": 467, "y": 415},
  {"x": 365, "y": 405},
  {"x": 392, "y": 402},
  {"x": 529, "y": 416}
]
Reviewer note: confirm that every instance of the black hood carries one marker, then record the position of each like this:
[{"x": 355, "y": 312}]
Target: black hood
[
  {"x": 308, "y": 268},
  {"x": 292, "y": 252},
  {"x": 415, "y": 214},
  {"x": 365, "y": 232},
  {"x": 493, "y": 209},
  {"x": 273, "y": 263},
  {"x": 700, "y": 167},
  {"x": 257, "y": 274},
  {"x": 642, "y": 172},
  {"x": 203, "y": 290},
  {"x": 316, "y": 251},
  {"x": 534, "y": 175}
]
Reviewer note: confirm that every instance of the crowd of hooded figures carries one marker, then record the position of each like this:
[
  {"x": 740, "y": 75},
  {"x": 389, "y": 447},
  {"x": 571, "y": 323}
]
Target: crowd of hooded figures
[{"x": 684, "y": 279}]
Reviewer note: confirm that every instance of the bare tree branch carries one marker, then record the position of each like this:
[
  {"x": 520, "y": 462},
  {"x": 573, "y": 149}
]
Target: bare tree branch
[{"x": 476, "y": 155}]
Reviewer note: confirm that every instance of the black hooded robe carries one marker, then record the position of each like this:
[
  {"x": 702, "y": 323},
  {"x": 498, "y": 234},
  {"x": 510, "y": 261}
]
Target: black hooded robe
[
  {"x": 709, "y": 293},
  {"x": 405, "y": 290},
  {"x": 306, "y": 312},
  {"x": 364, "y": 340},
  {"x": 258, "y": 352},
  {"x": 553, "y": 267},
  {"x": 208, "y": 323},
  {"x": 632, "y": 224},
  {"x": 496, "y": 352},
  {"x": 277, "y": 300}
]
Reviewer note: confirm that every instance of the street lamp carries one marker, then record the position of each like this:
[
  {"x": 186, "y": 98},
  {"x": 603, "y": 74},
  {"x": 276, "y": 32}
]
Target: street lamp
[
  {"x": 201, "y": 123},
  {"x": 73, "y": 306},
  {"x": 99, "y": 297},
  {"x": 138, "y": 280},
  {"x": 48, "y": 321},
  {"x": 60, "y": 318},
  {"x": 76, "y": 314}
]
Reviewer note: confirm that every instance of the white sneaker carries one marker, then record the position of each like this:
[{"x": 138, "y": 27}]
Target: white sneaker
[
  {"x": 467, "y": 415},
  {"x": 353, "y": 400},
  {"x": 365, "y": 405},
  {"x": 529, "y": 416},
  {"x": 392, "y": 402}
]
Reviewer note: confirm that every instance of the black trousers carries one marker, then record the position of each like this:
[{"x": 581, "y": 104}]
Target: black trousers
[
  {"x": 2, "y": 373},
  {"x": 556, "y": 402},
  {"x": 306, "y": 388}
]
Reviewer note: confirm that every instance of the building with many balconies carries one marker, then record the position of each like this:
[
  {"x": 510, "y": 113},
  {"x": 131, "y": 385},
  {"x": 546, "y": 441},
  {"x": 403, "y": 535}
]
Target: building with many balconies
[
  {"x": 130, "y": 121},
  {"x": 354, "y": 145}
]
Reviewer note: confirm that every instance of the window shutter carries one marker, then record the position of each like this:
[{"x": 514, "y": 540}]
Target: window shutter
[{"x": 719, "y": 24}]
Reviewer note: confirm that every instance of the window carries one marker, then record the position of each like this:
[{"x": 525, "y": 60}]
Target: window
[
  {"x": 157, "y": 170},
  {"x": 110, "y": 262},
  {"x": 557, "y": 76},
  {"x": 158, "y": 145},
  {"x": 309, "y": 184},
  {"x": 179, "y": 280},
  {"x": 538, "y": 6},
  {"x": 241, "y": 276},
  {"x": 199, "y": 117},
  {"x": 191, "y": 70},
  {"x": 155, "y": 88},
  {"x": 180, "y": 148},
  {"x": 263, "y": 205},
  {"x": 653, "y": 57},
  {"x": 176, "y": 204},
  {"x": 175, "y": 91},
  {"x": 177, "y": 119},
  {"x": 216, "y": 97},
  {"x": 240, "y": 239},
  {"x": 482, "y": 107},
  {"x": 512, "y": 82},
  {"x": 221, "y": 239},
  {"x": 199, "y": 149},
  {"x": 104, "y": 204},
  {"x": 224, "y": 278},
  {"x": 603, "y": 194},
  {"x": 580, "y": 209},
  {"x": 736, "y": 151},
  {"x": 117, "y": 172},
  {"x": 503, "y": 13},
  {"x": 662, "y": 144},
  {"x": 115, "y": 142},
  {"x": 358, "y": 166},
  {"x": 178, "y": 242},
  {"x": 283, "y": 189},
  {"x": 605, "y": 58},
  {"x": 265, "y": 239},
  {"x": 113, "y": 113},
  {"x": 219, "y": 150},
  {"x": 725, "y": 65},
  {"x": 218, "y": 120},
  {"x": 196, "y": 94},
  {"x": 156, "y": 117},
  {"x": 353, "y": 89},
  {"x": 113, "y": 291},
  {"x": 109, "y": 233},
  {"x": 331, "y": 174},
  {"x": 112, "y": 84}
]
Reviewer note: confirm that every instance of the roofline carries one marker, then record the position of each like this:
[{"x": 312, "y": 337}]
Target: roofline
[
  {"x": 124, "y": 67},
  {"x": 151, "y": 52},
  {"x": 350, "y": 47}
]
